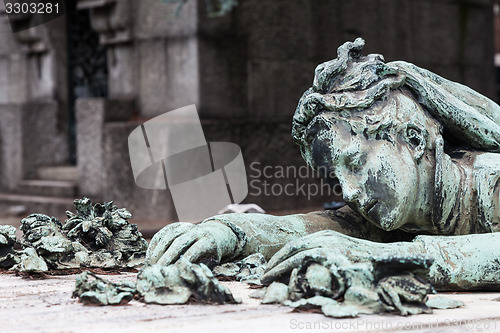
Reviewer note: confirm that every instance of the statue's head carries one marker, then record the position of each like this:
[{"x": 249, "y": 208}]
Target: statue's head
[{"x": 370, "y": 124}]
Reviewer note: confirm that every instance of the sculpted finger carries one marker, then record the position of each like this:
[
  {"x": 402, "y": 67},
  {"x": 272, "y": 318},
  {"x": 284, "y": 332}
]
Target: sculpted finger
[
  {"x": 284, "y": 268},
  {"x": 204, "y": 248},
  {"x": 178, "y": 247},
  {"x": 297, "y": 246},
  {"x": 163, "y": 239},
  {"x": 169, "y": 231}
]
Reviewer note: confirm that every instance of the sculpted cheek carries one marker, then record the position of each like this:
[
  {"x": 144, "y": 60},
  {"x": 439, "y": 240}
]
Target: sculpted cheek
[
  {"x": 377, "y": 187},
  {"x": 321, "y": 151},
  {"x": 376, "y": 214},
  {"x": 384, "y": 211}
]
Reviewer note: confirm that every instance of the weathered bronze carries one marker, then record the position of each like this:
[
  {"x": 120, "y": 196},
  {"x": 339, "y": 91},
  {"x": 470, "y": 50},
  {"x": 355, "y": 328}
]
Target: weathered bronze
[
  {"x": 417, "y": 158},
  {"x": 177, "y": 283},
  {"x": 97, "y": 235},
  {"x": 93, "y": 290},
  {"x": 173, "y": 284},
  {"x": 7, "y": 242}
]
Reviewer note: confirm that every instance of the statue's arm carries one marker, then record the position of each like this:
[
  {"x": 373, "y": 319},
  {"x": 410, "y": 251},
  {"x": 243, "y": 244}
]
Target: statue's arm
[
  {"x": 229, "y": 236},
  {"x": 460, "y": 262},
  {"x": 267, "y": 234},
  {"x": 463, "y": 262}
]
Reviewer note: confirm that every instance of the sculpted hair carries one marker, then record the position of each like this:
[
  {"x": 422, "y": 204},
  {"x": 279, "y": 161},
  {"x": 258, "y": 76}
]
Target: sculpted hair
[{"x": 351, "y": 85}]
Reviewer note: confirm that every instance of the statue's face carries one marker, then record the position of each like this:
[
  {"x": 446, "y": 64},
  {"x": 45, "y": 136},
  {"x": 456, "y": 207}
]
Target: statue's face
[{"x": 381, "y": 180}]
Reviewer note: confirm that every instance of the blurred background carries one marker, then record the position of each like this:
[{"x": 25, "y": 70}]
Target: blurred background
[{"x": 73, "y": 89}]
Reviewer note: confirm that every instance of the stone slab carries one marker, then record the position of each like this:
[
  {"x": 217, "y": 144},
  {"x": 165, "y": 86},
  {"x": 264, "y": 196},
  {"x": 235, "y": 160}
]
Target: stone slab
[
  {"x": 90, "y": 115},
  {"x": 46, "y": 305},
  {"x": 28, "y": 204},
  {"x": 50, "y": 188},
  {"x": 58, "y": 173}
]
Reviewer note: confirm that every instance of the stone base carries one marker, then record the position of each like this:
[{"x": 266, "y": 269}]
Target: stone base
[{"x": 46, "y": 305}]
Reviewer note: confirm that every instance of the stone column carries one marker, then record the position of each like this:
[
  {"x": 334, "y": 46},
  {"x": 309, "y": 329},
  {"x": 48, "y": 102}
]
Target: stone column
[
  {"x": 92, "y": 115},
  {"x": 167, "y": 56},
  {"x": 11, "y": 162}
]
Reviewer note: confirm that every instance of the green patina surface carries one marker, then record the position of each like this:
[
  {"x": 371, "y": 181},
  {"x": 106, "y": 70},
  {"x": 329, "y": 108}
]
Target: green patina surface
[
  {"x": 7, "y": 241},
  {"x": 417, "y": 157},
  {"x": 96, "y": 236},
  {"x": 173, "y": 284},
  {"x": 93, "y": 290}
]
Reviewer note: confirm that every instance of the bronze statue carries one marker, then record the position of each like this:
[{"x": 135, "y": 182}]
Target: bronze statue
[{"x": 417, "y": 158}]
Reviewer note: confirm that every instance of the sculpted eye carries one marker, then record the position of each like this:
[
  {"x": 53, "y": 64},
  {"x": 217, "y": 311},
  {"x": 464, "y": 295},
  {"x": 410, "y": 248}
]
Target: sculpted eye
[{"x": 355, "y": 162}]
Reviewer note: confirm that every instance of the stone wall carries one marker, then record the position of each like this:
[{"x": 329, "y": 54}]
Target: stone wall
[
  {"x": 29, "y": 138},
  {"x": 244, "y": 71},
  {"x": 43, "y": 141},
  {"x": 118, "y": 181},
  {"x": 247, "y": 70},
  {"x": 257, "y": 61}
]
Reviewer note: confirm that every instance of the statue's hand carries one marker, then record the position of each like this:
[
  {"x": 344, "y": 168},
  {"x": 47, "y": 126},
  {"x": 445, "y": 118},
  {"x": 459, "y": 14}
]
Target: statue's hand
[
  {"x": 193, "y": 242},
  {"x": 294, "y": 252}
]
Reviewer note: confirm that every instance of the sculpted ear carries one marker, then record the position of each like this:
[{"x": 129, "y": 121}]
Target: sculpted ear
[{"x": 417, "y": 137}]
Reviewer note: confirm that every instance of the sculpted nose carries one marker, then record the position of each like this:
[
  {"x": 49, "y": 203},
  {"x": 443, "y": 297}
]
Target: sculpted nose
[{"x": 351, "y": 193}]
